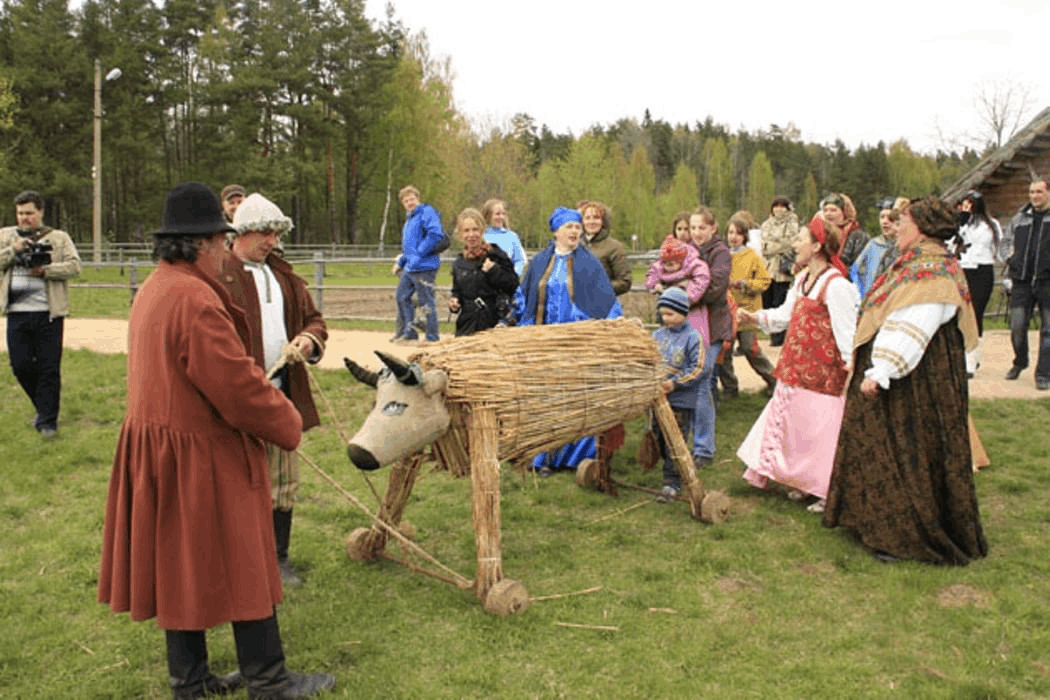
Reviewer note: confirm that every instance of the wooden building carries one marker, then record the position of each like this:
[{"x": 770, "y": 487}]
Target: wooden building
[{"x": 1004, "y": 176}]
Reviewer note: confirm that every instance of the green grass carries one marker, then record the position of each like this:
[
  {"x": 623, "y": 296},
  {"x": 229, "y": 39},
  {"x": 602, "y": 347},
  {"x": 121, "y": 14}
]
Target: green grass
[{"x": 768, "y": 605}]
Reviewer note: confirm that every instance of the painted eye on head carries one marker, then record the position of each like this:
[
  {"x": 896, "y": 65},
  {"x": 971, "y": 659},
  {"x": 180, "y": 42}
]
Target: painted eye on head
[{"x": 394, "y": 408}]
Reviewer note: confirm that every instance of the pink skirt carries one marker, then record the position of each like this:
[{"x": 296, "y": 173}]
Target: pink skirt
[{"x": 793, "y": 441}]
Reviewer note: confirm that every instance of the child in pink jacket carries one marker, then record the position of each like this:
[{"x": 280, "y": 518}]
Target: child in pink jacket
[{"x": 680, "y": 266}]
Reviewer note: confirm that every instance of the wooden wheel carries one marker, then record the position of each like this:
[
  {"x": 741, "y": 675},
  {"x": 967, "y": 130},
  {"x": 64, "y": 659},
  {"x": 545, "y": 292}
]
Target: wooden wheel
[
  {"x": 358, "y": 545},
  {"x": 587, "y": 472},
  {"x": 506, "y": 598},
  {"x": 715, "y": 507}
]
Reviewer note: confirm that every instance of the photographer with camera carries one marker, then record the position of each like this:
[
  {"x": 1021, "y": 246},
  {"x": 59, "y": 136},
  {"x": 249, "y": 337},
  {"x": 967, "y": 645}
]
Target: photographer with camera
[{"x": 36, "y": 261}]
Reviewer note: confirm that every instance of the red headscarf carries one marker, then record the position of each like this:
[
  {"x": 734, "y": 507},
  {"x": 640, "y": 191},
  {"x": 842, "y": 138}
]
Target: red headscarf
[{"x": 817, "y": 228}]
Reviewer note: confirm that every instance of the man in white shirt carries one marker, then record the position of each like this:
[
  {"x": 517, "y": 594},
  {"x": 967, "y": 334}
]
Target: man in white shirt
[{"x": 280, "y": 312}]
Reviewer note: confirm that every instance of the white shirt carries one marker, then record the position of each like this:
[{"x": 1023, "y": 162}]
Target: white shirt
[
  {"x": 982, "y": 244},
  {"x": 271, "y": 311},
  {"x": 902, "y": 340}
]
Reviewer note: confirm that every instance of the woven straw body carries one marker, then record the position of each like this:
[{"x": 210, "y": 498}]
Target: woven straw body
[{"x": 548, "y": 385}]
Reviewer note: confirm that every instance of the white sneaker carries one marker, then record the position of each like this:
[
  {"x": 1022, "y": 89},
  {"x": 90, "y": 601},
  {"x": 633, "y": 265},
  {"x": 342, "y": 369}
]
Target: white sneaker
[{"x": 817, "y": 507}]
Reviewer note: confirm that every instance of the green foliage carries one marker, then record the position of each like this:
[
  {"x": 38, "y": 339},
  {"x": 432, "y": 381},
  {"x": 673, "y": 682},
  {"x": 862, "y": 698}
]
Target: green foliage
[
  {"x": 329, "y": 113},
  {"x": 680, "y": 196},
  {"x": 761, "y": 187},
  {"x": 636, "y": 202},
  {"x": 806, "y": 206},
  {"x": 910, "y": 175},
  {"x": 693, "y": 606},
  {"x": 718, "y": 179}
]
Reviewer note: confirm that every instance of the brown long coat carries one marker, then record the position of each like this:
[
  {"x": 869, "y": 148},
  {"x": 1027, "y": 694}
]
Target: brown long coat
[
  {"x": 301, "y": 317},
  {"x": 189, "y": 533}
]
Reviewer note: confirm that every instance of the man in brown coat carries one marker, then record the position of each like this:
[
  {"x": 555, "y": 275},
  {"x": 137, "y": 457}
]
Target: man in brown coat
[
  {"x": 280, "y": 312},
  {"x": 188, "y": 536}
]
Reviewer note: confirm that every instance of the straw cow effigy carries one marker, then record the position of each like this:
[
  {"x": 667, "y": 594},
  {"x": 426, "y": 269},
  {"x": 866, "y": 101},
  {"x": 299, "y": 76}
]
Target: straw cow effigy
[{"x": 506, "y": 395}]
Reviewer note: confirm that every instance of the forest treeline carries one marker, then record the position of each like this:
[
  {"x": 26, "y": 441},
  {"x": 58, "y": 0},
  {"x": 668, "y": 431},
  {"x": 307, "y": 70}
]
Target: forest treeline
[{"x": 328, "y": 113}]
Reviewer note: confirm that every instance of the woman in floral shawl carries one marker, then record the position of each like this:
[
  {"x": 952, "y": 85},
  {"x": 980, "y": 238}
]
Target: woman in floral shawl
[{"x": 903, "y": 478}]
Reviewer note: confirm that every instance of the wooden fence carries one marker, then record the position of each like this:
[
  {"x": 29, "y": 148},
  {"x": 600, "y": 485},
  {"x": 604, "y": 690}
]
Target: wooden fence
[{"x": 377, "y": 302}]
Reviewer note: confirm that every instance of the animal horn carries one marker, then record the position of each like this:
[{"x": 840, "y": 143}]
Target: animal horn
[
  {"x": 360, "y": 373},
  {"x": 402, "y": 372}
]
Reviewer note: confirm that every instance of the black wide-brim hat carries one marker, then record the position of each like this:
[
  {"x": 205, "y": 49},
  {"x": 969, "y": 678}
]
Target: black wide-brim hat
[{"x": 192, "y": 209}]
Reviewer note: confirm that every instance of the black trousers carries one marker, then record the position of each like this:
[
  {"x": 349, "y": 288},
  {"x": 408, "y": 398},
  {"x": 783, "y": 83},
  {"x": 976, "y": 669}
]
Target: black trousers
[{"x": 34, "y": 345}]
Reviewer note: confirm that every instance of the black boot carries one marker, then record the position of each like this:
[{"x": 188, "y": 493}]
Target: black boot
[
  {"x": 282, "y": 531},
  {"x": 188, "y": 667},
  {"x": 261, "y": 658}
]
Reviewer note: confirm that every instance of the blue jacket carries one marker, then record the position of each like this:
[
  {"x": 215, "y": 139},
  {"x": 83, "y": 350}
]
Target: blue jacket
[
  {"x": 419, "y": 237},
  {"x": 510, "y": 244},
  {"x": 682, "y": 349}
]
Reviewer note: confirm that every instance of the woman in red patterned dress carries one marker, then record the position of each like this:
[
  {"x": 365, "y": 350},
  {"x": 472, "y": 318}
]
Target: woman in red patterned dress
[{"x": 793, "y": 441}]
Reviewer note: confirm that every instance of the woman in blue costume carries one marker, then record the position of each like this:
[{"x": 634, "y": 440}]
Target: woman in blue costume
[{"x": 565, "y": 283}]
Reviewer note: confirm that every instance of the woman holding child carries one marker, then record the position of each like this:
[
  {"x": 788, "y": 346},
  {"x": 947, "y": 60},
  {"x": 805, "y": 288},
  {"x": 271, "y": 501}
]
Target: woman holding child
[
  {"x": 565, "y": 283},
  {"x": 703, "y": 233},
  {"x": 793, "y": 441},
  {"x": 903, "y": 478},
  {"x": 680, "y": 266}
]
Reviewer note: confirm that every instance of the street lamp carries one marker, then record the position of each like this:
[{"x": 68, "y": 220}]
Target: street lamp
[{"x": 96, "y": 166}]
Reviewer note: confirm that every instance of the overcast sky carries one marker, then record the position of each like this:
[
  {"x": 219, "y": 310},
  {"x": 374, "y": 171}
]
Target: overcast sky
[{"x": 861, "y": 72}]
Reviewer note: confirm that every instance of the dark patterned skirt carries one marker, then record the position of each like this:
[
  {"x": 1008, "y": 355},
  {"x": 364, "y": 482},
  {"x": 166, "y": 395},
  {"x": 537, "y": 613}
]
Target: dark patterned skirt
[{"x": 903, "y": 475}]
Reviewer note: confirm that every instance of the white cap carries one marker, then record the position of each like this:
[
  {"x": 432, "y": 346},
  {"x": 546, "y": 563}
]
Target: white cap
[{"x": 257, "y": 213}]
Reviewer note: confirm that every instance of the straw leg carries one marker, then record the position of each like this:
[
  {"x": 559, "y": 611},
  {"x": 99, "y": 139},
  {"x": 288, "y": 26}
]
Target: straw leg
[
  {"x": 692, "y": 487},
  {"x": 368, "y": 543},
  {"x": 484, "y": 481},
  {"x": 500, "y": 596},
  {"x": 608, "y": 442}
]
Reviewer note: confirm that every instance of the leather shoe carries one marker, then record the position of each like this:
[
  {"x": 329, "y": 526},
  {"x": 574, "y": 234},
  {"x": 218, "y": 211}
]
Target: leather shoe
[{"x": 1014, "y": 373}]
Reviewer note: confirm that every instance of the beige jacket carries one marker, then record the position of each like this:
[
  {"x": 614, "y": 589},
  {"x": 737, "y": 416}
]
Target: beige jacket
[{"x": 65, "y": 265}]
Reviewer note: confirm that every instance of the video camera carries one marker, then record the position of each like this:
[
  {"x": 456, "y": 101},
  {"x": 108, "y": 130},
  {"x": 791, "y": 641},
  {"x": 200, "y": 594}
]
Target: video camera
[{"x": 37, "y": 255}]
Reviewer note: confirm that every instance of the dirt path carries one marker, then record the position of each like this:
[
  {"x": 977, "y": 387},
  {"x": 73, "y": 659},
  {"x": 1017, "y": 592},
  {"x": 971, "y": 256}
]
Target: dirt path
[{"x": 110, "y": 336}]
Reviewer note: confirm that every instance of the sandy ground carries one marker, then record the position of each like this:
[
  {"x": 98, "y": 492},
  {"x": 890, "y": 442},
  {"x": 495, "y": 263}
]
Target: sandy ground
[{"x": 110, "y": 336}]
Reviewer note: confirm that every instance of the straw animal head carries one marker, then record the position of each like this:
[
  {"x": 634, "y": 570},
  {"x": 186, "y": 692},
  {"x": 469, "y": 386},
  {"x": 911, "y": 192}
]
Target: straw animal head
[{"x": 409, "y": 412}]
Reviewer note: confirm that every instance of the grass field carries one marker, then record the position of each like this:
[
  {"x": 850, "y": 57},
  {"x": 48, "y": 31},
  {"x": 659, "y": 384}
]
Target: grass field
[{"x": 768, "y": 605}]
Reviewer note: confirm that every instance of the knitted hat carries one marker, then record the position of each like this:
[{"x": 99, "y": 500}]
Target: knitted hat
[
  {"x": 230, "y": 190},
  {"x": 257, "y": 213},
  {"x": 672, "y": 250},
  {"x": 675, "y": 299},
  {"x": 191, "y": 209}
]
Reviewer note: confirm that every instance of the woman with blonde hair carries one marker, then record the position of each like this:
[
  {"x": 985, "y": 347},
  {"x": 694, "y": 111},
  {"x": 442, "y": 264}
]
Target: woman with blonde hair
[
  {"x": 480, "y": 275},
  {"x": 498, "y": 232}
]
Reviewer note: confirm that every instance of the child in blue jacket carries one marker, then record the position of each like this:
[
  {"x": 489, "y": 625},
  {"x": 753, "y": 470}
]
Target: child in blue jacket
[{"x": 683, "y": 350}]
